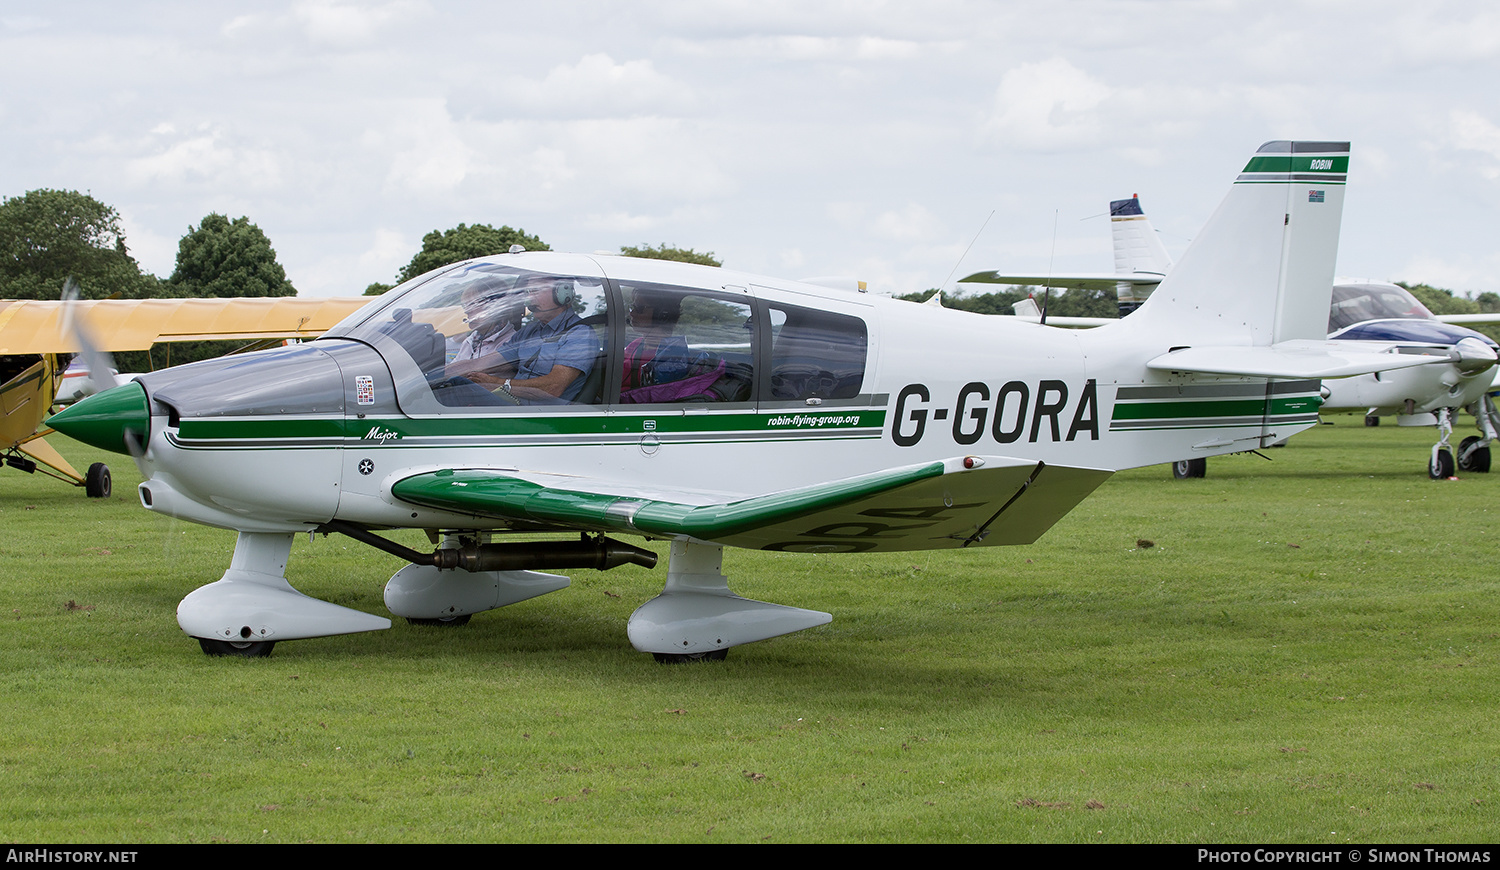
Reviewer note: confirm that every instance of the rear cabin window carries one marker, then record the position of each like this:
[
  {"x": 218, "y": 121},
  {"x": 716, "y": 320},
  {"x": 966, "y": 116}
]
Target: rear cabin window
[{"x": 685, "y": 346}]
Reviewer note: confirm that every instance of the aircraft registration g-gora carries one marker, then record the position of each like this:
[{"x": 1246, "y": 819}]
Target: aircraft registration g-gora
[
  {"x": 1360, "y": 311},
  {"x": 34, "y": 338},
  {"x": 714, "y": 409}
]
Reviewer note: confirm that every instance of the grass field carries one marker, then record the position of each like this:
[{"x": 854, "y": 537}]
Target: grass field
[{"x": 1306, "y": 654}]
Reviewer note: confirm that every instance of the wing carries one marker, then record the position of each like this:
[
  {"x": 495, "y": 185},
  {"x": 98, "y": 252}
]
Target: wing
[
  {"x": 960, "y": 502},
  {"x": 36, "y": 327}
]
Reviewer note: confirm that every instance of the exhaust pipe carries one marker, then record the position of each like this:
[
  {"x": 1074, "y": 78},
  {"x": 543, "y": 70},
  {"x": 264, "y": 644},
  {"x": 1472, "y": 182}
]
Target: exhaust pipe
[{"x": 599, "y": 553}]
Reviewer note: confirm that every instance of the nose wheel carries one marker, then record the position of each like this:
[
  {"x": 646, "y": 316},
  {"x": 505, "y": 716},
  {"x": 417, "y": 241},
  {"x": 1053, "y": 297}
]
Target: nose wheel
[{"x": 1440, "y": 466}]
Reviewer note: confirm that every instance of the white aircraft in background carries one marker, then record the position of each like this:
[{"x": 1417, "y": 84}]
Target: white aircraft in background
[
  {"x": 724, "y": 409},
  {"x": 1360, "y": 310}
]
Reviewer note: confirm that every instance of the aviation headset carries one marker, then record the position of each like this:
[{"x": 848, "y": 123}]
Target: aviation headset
[{"x": 563, "y": 289}]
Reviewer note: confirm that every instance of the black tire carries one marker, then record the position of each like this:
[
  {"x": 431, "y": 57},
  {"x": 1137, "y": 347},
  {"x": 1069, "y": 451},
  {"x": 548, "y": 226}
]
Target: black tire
[
  {"x": 97, "y": 482},
  {"x": 717, "y": 655},
  {"x": 1440, "y": 466},
  {"x": 1372, "y": 420},
  {"x": 1187, "y": 469},
  {"x": 1477, "y": 460},
  {"x": 249, "y": 649},
  {"x": 443, "y": 622}
]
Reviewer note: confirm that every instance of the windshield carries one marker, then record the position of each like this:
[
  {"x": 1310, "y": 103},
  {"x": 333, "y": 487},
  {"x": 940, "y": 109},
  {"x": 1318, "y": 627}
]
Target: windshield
[
  {"x": 1356, "y": 303},
  {"x": 492, "y": 335}
]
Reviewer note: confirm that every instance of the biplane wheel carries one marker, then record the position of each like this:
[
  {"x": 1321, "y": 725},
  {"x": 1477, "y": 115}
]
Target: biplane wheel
[
  {"x": 97, "y": 482},
  {"x": 717, "y": 655},
  {"x": 1440, "y": 466},
  {"x": 1187, "y": 469},
  {"x": 1478, "y": 460},
  {"x": 445, "y": 621},
  {"x": 1372, "y": 420},
  {"x": 249, "y": 649}
]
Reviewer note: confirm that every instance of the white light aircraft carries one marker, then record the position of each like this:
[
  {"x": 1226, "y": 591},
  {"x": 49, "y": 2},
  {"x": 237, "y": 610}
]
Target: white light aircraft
[
  {"x": 713, "y": 408},
  {"x": 1360, "y": 310}
]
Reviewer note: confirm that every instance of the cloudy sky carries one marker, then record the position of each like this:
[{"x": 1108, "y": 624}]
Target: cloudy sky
[{"x": 791, "y": 138}]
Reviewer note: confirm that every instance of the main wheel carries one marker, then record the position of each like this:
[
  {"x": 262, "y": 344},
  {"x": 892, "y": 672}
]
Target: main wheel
[
  {"x": 1440, "y": 466},
  {"x": 444, "y": 621},
  {"x": 1186, "y": 469},
  {"x": 250, "y": 649},
  {"x": 1477, "y": 460},
  {"x": 717, "y": 655},
  {"x": 1372, "y": 420},
  {"x": 97, "y": 482}
]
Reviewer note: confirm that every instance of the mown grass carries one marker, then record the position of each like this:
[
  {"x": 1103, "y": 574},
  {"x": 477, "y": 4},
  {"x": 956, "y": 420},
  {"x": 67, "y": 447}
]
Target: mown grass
[{"x": 1305, "y": 653}]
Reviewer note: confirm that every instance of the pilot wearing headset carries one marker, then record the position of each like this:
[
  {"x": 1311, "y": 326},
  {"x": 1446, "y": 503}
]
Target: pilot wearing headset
[{"x": 549, "y": 358}]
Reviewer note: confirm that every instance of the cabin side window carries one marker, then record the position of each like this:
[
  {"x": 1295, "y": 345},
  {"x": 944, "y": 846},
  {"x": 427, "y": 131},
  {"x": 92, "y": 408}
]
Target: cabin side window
[
  {"x": 815, "y": 354},
  {"x": 684, "y": 345}
]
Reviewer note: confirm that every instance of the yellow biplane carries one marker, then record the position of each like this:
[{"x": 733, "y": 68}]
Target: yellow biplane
[{"x": 35, "y": 336}]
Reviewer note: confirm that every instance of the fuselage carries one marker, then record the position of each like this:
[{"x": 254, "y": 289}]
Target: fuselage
[
  {"x": 800, "y": 384},
  {"x": 28, "y": 383}
]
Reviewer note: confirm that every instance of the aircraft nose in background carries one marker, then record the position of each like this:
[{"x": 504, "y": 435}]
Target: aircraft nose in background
[
  {"x": 1473, "y": 356},
  {"x": 102, "y": 420}
]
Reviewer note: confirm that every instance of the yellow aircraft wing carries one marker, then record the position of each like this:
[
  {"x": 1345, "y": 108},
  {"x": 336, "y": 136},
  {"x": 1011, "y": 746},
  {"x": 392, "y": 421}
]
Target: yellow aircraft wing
[{"x": 37, "y": 327}]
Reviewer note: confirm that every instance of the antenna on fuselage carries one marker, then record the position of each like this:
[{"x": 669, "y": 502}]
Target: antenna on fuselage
[
  {"x": 964, "y": 254},
  {"x": 1047, "y": 291}
]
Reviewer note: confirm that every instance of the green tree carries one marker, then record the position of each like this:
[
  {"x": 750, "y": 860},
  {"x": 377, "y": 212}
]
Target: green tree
[
  {"x": 223, "y": 257},
  {"x": 376, "y": 288},
  {"x": 1440, "y": 301},
  {"x": 666, "y": 252},
  {"x": 48, "y": 235},
  {"x": 463, "y": 242}
]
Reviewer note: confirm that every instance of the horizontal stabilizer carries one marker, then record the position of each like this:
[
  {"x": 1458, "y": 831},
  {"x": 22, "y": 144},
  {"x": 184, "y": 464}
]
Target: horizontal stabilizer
[
  {"x": 954, "y": 503},
  {"x": 1299, "y": 359},
  {"x": 1079, "y": 281}
]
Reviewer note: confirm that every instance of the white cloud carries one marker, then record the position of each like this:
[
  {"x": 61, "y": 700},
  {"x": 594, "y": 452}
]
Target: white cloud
[
  {"x": 345, "y": 24},
  {"x": 1047, "y": 105},
  {"x": 909, "y": 224},
  {"x": 433, "y": 156},
  {"x": 1471, "y": 131},
  {"x": 596, "y": 86},
  {"x": 205, "y": 160}
]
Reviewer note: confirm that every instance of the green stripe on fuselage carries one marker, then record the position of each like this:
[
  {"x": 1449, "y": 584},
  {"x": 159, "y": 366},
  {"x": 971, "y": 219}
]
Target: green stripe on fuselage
[
  {"x": 392, "y": 431},
  {"x": 1276, "y": 407}
]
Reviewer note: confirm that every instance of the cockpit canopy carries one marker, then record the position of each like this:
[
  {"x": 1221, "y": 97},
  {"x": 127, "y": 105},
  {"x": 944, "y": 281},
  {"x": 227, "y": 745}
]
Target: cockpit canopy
[
  {"x": 1357, "y": 303},
  {"x": 492, "y": 334}
]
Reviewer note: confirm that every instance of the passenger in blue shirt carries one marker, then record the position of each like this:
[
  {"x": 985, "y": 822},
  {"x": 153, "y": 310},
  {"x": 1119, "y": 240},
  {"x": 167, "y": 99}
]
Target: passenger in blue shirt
[{"x": 549, "y": 359}]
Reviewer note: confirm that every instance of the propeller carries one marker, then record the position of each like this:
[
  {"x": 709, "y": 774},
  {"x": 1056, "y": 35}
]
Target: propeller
[{"x": 99, "y": 363}]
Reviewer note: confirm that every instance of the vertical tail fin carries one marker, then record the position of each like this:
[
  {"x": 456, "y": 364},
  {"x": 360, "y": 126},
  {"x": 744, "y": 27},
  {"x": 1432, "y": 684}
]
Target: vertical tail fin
[
  {"x": 1137, "y": 249},
  {"x": 1261, "y": 270}
]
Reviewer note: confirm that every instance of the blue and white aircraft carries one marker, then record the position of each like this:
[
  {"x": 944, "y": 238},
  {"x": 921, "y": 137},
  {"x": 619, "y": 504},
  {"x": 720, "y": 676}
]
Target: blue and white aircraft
[{"x": 713, "y": 409}]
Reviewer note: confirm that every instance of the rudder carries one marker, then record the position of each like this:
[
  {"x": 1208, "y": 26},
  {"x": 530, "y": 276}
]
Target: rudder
[{"x": 1261, "y": 270}]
